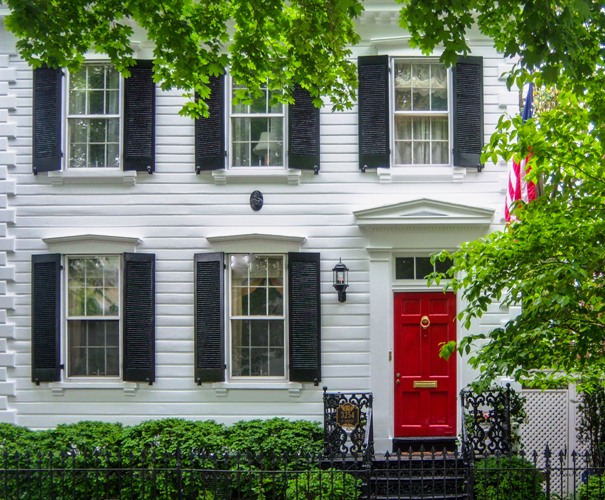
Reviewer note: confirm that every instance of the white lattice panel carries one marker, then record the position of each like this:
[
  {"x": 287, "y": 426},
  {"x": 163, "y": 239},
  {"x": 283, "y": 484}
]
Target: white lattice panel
[{"x": 548, "y": 421}]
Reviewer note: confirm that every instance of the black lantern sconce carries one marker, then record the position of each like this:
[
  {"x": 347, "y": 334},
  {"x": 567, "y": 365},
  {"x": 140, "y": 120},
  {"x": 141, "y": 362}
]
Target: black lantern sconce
[{"x": 340, "y": 280}]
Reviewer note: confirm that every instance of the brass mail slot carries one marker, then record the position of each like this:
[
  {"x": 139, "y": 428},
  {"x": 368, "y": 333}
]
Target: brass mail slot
[{"x": 425, "y": 384}]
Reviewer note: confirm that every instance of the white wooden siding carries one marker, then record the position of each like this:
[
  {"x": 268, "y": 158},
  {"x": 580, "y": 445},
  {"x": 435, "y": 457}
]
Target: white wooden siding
[{"x": 172, "y": 212}]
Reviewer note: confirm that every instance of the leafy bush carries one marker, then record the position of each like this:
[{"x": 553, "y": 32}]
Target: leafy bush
[
  {"x": 593, "y": 489},
  {"x": 273, "y": 444},
  {"x": 511, "y": 478},
  {"x": 329, "y": 483},
  {"x": 153, "y": 445},
  {"x": 276, "y": 436}
]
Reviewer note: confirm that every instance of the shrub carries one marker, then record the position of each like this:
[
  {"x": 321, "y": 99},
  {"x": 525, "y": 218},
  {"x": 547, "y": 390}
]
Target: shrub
[
  {"x": 152, "y": 446},
  {"x": 511, "y": 478},
  {"x": 276, "y": 436},
  {"x": 593, "y": 489},
  {"x": 273, "y": 444},
  {"x": 318, "y": 484}
]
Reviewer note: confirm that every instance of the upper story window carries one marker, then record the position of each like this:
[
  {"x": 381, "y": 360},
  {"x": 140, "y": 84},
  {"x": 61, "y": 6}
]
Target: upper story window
[
  {"x": 93, "y": 117},
  {"x": 417, "y": 113},
  {"x": 257, "y": 135},
  {"x": 421, "y": 117},
  {"x": 257, "y": 131}
]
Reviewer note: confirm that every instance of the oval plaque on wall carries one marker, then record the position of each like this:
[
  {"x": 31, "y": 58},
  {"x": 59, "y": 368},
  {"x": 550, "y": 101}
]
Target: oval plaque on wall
[{"x": 256, "y": 200}]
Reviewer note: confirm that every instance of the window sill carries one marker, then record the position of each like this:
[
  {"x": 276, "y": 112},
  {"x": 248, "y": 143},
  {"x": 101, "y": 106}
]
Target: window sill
[
  {"x": 58, "y": 388},
  {"x": 221, "y": 389},
  {"x": 84, "y": 176},
  {"x": 290, "y": 175},
  {"x": 421, "y": 174}
]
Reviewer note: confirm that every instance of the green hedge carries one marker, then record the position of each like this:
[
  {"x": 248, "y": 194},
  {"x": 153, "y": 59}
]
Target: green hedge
[
  {"x": 507, "y": 478},
  {"x": 140, "y": 461}
]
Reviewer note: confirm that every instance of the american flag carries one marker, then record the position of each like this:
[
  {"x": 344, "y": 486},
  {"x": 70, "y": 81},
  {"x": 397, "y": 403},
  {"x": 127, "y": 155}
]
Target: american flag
[{"x": 518, "y": 187}]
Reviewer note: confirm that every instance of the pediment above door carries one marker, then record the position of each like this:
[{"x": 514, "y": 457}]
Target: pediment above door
[{"x": 425, "y": 213}]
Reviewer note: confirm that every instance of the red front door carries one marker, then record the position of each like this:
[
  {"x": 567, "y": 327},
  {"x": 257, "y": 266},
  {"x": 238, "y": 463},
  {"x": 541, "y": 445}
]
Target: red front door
[{"x": 425, "y": 384}]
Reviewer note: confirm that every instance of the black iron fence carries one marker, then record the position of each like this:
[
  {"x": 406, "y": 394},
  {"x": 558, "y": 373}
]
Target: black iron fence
[{"x": 537, "y": 476}]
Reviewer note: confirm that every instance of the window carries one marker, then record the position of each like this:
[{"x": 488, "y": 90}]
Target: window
[
  {"x": 421, "y": 113},
  {"x": 107, "y": 327},
  {"x": 424, "y": 104},
  {"x": 256, "y": 135},
  {"x": 93, "y": 316},
  {"x": 257, "y": 317},
  {"x": 93, "y": 117},
  {"x": 418, "y": 268},
  {"x": 271, "y": 307},
  {"x": 257, "y": 131}
]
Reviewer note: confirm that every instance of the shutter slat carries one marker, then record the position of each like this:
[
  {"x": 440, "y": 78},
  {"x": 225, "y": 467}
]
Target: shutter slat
[
  {"x": 139, "y": 119},
  {"x": 303, "y": 128},
  {"x": 468, "y": 112},
  {"x": 209, "y": 318},
  {"x": 46, "y": 120},
  {"x": 210, "y": 131},
  {"x": 373, "y": 112},
  {"x": 139, "y": 317},
  {"x": 46, "y": 318},
  {"x": 304, "y": 317}
]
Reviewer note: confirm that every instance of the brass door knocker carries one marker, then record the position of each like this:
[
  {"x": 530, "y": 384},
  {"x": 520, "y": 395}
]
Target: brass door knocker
[{"x": 425, "y": 322}]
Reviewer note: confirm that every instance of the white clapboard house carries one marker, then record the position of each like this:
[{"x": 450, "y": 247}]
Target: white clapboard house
[{"x": 156, "y": 266}]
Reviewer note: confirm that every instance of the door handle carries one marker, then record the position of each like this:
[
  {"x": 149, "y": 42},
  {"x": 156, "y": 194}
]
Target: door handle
[{"x": 425, "y": 322}]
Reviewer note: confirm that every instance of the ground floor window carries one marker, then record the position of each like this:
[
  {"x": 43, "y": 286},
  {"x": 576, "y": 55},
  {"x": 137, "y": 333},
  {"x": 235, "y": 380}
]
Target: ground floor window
[
  {"x": 257, "y": 319},
  {"x": 93, "y": 316}
]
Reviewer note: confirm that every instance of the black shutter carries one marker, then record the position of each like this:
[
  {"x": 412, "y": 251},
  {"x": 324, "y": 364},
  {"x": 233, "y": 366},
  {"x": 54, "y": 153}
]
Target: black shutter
[
  {"x": 209, "y": 320},
  {"x": 304, "y": 317},
  {"x": 468, "y": 111},
  {"x": 139, "y": 119},
  {"x": 46, "y": 120},
  {"x": 303, "y": 132},
  {"x": 138, "y": 312},
  {"x": 210, "y": 132},
  {"x": 373, "y": 111},
  {"x": 46, "y": 318}
]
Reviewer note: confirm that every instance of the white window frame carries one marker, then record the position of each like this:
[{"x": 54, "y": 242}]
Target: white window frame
[
  {"x": 393, "y": 113},
  {"x": 230, "y": 317},
  {"x": 66, "y": 318},
  {"x": 230, "y": 132},
  {"x": 66, "y": 116}
]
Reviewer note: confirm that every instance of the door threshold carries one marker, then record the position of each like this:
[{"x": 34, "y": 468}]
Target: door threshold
[{"x": 426, "y": 444}]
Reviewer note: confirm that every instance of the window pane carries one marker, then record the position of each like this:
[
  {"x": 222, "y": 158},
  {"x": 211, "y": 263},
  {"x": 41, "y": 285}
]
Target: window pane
[
  {"x": 77, "y": 102},
  {"x": 98, "y": 131},
  {"x": 403, "y": 127},
  {"x": 77, "y": 80},
  {"x": 439, "y": 153},
  {"x": 404, "y": 268},
  {"x": 78, "y": 131},
  {"x": 442, "y": 267},
  {"x": 422, "y": 128},
  {"x": 96, "y": 102},
  {"x": 439, "y": 100},
  {"x": 423, "y": 267},
  {"x": 96, "y": 76},
  {"x": 422, "y": 152},
  {"x": 403, "y": 153},
  {"x": 439, "y": 129},
  {"x": 112, "y": 102},
  {"x": 258, "y": 298},
  {"x": 77, "y": 156},
  {"x": 96, "y": 156}
]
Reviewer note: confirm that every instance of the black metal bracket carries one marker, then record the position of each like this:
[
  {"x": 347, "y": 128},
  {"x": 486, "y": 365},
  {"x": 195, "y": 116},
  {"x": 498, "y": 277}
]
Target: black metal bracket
[
  {"x": 198, "y": 170},
  {"x": 149, "y": 171},
  {"x": 316, "y": 170}
]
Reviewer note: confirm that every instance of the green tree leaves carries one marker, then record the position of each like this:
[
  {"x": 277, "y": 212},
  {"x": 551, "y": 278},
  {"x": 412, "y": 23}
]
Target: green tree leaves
[{"x": 300, "y": 42}]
